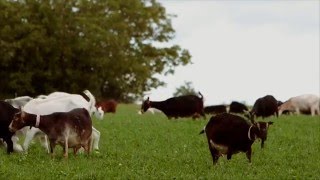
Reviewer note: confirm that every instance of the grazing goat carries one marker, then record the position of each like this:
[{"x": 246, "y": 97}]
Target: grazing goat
[
  {"x": 302, "y": 103},
  {"x": 236, "y": 107},
  {"x": 216, "y": 109},
  {"x": 107, "y": 105},
  {"x": 181, "y": 106},
  {"x": 265, "y": 106}
]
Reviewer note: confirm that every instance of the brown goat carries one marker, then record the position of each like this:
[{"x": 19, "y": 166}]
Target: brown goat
[
  {"x": 69, "y": 129},
  {"x": 108, "y": 105},
  {"x": 229, "y": 134},
  {"x": 181, "y": 106}
]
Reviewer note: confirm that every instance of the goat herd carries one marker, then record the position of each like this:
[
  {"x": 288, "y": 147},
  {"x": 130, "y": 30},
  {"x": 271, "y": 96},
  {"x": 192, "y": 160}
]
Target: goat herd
[
  {"x": 228, "y": 133},
  {"x": 65, "y": 119}
]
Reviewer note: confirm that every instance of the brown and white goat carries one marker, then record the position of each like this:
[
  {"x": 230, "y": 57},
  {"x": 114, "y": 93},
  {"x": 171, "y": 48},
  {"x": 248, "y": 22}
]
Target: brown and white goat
[{"x": 71, "y": 129}]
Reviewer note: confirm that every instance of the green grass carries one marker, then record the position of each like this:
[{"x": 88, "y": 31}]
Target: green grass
[{"x": 150, "y": 146}]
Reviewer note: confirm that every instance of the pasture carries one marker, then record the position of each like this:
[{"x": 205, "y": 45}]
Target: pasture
[{"x": 147, "y": 146}]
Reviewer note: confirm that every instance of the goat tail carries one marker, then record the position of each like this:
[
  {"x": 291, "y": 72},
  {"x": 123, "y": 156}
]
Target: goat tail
[
  {"x": 201, "y": 96},
  {"x": 92, "y": 100}
]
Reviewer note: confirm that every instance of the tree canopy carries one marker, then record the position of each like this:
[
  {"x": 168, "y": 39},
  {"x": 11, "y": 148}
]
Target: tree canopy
[
  {"x": 185, "y": 89},
  {"x": 109, "y": 47}
]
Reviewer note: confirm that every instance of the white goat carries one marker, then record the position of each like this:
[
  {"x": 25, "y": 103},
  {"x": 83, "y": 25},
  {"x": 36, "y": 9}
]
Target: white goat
[
  {"x": 61, "y": 102},
  {"x": 19, "y": 101},
  {"x": 305, "y": 102}
]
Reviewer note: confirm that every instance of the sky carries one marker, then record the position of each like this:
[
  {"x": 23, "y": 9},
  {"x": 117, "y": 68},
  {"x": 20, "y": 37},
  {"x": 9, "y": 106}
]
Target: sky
[{"x": 243, "y": 50}]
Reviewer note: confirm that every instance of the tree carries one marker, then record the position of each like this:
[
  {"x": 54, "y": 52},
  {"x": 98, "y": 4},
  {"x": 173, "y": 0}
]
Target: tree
[
  {"x": 107, "y": 47},
  {"x": 185, "y": 89}
]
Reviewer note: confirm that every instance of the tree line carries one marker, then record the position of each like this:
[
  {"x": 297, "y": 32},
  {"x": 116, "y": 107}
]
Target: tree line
[{"x": 113, "y": 48}]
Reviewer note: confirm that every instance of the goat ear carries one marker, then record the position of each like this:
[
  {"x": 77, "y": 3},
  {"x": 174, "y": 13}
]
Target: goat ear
[{"x": 148, "y": 101}]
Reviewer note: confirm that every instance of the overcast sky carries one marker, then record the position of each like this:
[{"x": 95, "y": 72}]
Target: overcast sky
[{"x": 242, "y": 50}]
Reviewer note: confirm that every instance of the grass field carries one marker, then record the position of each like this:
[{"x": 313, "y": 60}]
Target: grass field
[{"x": 150, "y": 146}]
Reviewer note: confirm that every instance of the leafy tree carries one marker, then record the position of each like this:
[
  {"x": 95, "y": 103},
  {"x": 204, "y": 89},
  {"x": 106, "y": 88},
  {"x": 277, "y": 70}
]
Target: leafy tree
[
  {"x": 185, "y": 89},
  {"x": 108, "y": 47}
]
